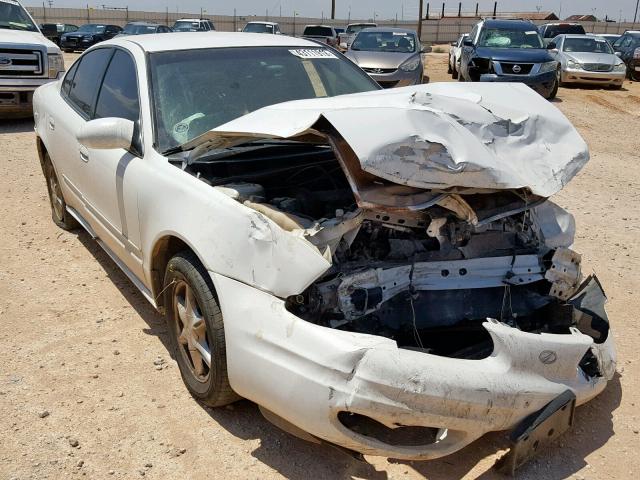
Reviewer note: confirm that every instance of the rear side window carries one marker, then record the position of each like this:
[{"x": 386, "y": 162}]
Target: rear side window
[
  {"x": 68, "y": 78},
  {"x": 119, "y": 92},
  {"x": 318, "y": 31},
  {"x": 87, "y": 79}
]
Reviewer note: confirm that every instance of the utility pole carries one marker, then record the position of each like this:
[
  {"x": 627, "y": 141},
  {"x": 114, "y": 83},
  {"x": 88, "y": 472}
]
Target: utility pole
[
  {"x": 333, "y": 9},
  {"x": 495, "y": 9},
  {"x": 419, "y": 19},
  {"x": 402, "y": 13},
  {"x": 635, "y": 15}
]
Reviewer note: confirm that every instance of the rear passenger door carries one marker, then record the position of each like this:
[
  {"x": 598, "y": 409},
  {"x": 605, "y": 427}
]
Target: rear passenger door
[{"x": 70, "y": 111}]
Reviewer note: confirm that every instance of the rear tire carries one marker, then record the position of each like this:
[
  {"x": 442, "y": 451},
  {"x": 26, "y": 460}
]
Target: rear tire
[
  {"x": 59, "y": 213},
  {"x": 66, "y": 50},
  {"x": 454, "y": 73},
  {"x": 194, "y": 318},
  {"x": 449, "y": 69}
]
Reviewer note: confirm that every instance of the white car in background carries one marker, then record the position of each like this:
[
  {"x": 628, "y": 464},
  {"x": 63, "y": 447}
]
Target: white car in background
[
  {"x": 262, "y": 27},
  {"x": 380, "y": 270},
  {"x": 455, "y": 52}
]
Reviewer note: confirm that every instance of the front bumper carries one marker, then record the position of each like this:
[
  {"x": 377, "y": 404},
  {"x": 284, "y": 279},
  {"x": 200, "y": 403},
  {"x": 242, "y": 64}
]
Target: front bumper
[
  {"x": 16, "y": 94},
  {"x": 398, "y": 78},
  {"x": 67, "y": 44},
  {"x": 571, "y": 75},
  {"x": 307, "y": 374},
  {"x": 542, "y": 83}
]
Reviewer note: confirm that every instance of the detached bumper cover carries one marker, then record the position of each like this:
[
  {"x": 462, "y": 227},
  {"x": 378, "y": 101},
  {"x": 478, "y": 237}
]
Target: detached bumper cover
[{"x": 308, "y": 374}]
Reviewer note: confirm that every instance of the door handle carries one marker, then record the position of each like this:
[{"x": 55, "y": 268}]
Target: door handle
[
  {"x": 84, "y": 154},
  {"x": 52, "y": 124}
]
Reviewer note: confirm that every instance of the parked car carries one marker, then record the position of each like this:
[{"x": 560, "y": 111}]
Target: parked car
[
  {"x": 509, "y": 51},
  {"x": 588, "y": 60},
  {"x": 455, "y": 52},
  {"x": 365, "y": 268},
  {"x": 549, "y": 31},
  {"x": 193, "y": 25},
  {"x": 321, "y": 33},
  {"x": 88, "y": 35},
  {"x": 345, "y": 39},
  {"x": 142, "y": 28},
  {"x": 609, "y": 37},
  {"x": 53, "y": 31},
  {"x": 262, "y": 27},
  {"x": 27, "y": 60},
  {"x": 339, "y": 30},
  {"x": 627, "y": 48},
  {"x": 391, "y": 56}
]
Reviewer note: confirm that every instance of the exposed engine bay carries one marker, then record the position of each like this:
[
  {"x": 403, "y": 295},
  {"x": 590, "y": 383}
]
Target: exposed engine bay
[{"x": 426, "y": 275}]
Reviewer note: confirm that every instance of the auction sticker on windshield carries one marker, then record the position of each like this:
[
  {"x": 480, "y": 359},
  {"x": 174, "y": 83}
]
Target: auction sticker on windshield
[{"x": 312, "y": 53}]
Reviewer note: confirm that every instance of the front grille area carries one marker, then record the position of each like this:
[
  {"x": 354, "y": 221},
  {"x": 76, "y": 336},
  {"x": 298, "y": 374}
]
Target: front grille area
[
  {"x": 507, "y": 68},
  {"x": 18, "y": 62},
  {"x": 598, "y": 67},
  {"x": 379, "y": 70}
]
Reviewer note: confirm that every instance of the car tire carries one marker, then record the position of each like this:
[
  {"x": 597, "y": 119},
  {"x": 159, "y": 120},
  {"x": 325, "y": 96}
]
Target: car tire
[
  {"x": 454, "y": 73},
  {"x": 449, "y": 69},
  {"x": 635, "y": 76},
  {"x": 616, "y": 86},
  {"x": 59, "y": 213},
  {"x": 193, "y": 317},
  {"x": 554, "y": 89},
  {"x": 461, "y": 77},
  {"x": 66, "y": 50},
  {"x": 559, "y": 78}
]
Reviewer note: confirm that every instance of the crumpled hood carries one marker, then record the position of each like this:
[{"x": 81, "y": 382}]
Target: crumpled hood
[
  {"x": 25, "y": 37},
  {"x": 593, "y": 57},
  {"x": 435, "y": 136},
  {"x": 523, "y": 55}
]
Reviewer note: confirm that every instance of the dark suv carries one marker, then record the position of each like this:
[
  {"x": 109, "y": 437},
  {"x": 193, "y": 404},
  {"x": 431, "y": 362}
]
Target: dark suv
[
  {"x": 627, "y": 47},
  {"x": 549, "y": 31},
  {"x": 509, "y": 51},
  {"x": 87, "y": 36}
]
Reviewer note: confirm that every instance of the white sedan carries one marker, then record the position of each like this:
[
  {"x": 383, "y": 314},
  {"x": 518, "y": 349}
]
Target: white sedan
[{"x": 379, "y": 270}]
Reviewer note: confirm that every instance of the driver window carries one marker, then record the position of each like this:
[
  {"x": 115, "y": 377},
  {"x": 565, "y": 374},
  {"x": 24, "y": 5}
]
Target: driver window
[{"x": 119, "y": 91}]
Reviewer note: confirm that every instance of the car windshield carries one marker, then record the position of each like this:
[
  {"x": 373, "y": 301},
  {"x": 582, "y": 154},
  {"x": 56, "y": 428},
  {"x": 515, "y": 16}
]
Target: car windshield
[
  {"x": 318, "y": 31},
  {"x": 399, "y": 42},
  {"x": 357, "y": 28},
  {"x": 554, "y": 30},
  {"x": 137, "y": 29},
  {"x": 187, "y": 26},
  {"x": 586, "y": 44},
  {"x": 197, "y": 90},
  {"x": 14, "y": 17},
  {"x": 92, "y": 28},
  {"x": 506, "y": 38},
  {"x": 258, "y": 28}
]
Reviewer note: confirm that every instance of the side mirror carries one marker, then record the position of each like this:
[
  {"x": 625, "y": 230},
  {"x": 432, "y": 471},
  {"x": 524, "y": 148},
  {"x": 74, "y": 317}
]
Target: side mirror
[
  {"x": 468, "y": 43},
  {"x": 552, "y": 46},
  {"x": 618, "y": 54},
  {"x": 107, "y": 133}
]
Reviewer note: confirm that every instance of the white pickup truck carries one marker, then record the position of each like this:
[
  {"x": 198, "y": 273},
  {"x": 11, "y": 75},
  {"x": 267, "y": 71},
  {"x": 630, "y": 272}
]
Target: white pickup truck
[{"x": 27, "y": 59}]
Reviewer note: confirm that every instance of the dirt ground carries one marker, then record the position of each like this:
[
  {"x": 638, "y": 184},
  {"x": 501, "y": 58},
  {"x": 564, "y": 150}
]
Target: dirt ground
[{"x": 87, "y": 388}]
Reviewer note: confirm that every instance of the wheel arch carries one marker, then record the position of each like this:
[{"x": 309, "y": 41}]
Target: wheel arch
[{"x": 166, "y": 246}]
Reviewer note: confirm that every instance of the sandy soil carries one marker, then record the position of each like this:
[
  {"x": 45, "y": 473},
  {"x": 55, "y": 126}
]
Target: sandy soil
[{"x": 87, "y": 387}]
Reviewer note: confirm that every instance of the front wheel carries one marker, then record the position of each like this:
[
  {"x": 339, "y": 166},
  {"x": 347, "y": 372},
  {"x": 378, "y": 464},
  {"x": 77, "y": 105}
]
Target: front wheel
[
  {"x": 196, "y": 330},
  {"x": 635, "y": 75},
  {"x": 454, "y": 73}
]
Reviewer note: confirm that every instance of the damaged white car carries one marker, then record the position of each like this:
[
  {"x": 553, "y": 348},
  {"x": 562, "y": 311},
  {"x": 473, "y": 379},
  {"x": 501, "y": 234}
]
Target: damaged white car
[{"x": 378, "y": 270}]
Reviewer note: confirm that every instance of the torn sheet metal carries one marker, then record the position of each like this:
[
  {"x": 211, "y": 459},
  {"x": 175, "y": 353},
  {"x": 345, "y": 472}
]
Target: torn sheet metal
[{"x": 439, "y": 136}]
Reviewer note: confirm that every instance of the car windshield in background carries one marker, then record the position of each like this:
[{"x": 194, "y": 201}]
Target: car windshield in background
[
  {"x": 357, "y": 28},
  {"x": 503, "y": 38},
  {"x": 139, "y": 29},
  {"x": 400, "y": 42},
  {"x": 92, "y": 28},
  {"x": 13, "y": 17},
  {"x": 553, "y": 31},
  {"x": 186, "y": 26},
  {"x": 586, "y": 44},
  {"x": 318, "y": 32},
  {"x": 258, "y": 28},
  {"x": 197, "y": 90}
]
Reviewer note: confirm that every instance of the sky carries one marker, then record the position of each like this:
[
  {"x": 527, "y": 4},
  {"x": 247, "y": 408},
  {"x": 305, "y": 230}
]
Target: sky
[{"x": 384, "y": 9}]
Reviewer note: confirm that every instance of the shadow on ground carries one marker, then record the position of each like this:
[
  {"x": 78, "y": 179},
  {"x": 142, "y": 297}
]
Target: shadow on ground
[
  {"x": 295, "y": 458},
  {"x": 16, "y": 125}
]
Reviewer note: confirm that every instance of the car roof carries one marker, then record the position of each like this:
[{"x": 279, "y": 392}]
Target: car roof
[
  {"x": 313, "y": 25},
  {"x": 577, "y": 35},
  {"x": 388, "y": 29},
  {"x": 264, "y": 23},
  {"x": 515, "y": 24},
  {"x": 142, "y": 22},
  {"x": 192, "y": 20},
  {"x": 181, "y": 41},
  {"x": 560, "y": 23}
]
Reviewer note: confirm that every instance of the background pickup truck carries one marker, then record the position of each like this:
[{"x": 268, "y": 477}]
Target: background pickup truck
[
  {"x": 27, "y": 60},
  {"x": 321, "y": 33},
  {"x": 346, "y": 39}
]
